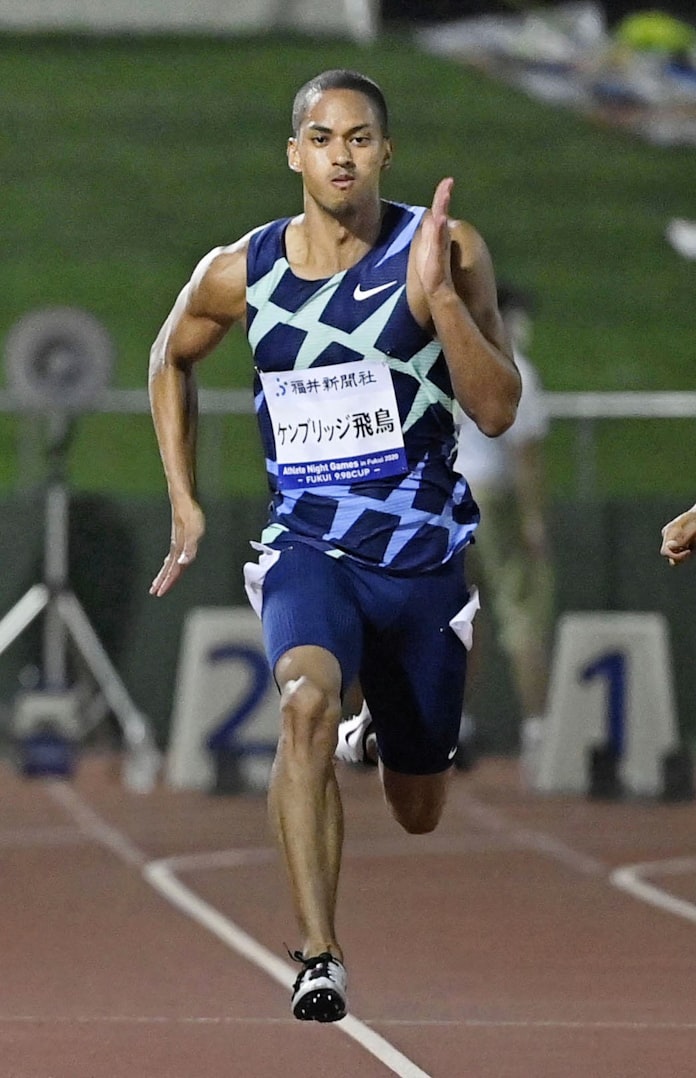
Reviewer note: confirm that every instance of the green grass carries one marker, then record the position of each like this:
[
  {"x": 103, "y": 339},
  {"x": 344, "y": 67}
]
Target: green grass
[{"x": 125, "y": 161}]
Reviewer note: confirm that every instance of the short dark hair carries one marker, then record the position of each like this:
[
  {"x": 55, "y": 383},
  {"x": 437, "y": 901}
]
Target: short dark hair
[{"x": 340, "y": 79}]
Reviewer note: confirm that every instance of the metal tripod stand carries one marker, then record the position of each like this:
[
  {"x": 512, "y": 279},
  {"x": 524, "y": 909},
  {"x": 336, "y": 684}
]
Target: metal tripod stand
[{"x": 65, "y": 617}]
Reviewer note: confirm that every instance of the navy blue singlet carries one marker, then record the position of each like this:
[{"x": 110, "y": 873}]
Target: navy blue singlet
[{"x": 405, "y": 523}]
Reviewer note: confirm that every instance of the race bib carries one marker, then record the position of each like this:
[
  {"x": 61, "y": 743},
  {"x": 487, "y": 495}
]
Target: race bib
[{"x": 334, "y": 425}]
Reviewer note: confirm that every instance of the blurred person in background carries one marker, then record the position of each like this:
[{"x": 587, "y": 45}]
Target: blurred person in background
[
  {"x": 679, "y": 537},
  {"x": 381, "y": 314},
  {"x": 510, "y": 560}
]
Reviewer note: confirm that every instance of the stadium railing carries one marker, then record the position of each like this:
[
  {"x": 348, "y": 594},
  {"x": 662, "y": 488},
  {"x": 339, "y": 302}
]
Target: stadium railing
[{"x": 584, "y": 408}]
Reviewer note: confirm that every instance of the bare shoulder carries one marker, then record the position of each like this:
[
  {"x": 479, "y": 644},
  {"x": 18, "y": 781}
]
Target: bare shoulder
[
  {"x": 462, "y": 233},
  {"x": 468, "y": 244},
  {"x": 472, "y": 269},
  {"x": 217, "y": 288},
  {"x": 474, "y": 280}
]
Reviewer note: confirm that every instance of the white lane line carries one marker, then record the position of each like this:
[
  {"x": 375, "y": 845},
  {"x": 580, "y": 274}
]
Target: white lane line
[
  {"x": 528, "y": 838},
  {"x": 92, "y": 824},
  {"x": 414, "y": 1023},
  {"x": 160, "y": 876},
  {"x": 628, "y": 878},
  {"x": 143, "y": 1020},
  {"x": 541, "y": 1023},
  {"x": 363, "y": 850}
]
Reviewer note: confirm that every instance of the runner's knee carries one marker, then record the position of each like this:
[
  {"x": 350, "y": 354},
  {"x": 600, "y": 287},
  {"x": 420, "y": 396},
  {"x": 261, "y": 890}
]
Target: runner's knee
[
  {"x": 309, "y": 717},
  {"x": 416, "y": 819},
  {"x": 415, "y": 801}
]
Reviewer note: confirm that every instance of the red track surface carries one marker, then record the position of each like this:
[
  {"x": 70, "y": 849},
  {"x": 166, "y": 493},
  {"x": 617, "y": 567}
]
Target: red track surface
[{"x": 496, "y": 948}]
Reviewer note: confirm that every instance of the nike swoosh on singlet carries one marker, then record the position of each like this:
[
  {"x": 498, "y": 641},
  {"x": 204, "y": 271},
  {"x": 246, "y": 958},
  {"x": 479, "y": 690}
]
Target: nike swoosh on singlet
[{"x": 360, "y": 294}]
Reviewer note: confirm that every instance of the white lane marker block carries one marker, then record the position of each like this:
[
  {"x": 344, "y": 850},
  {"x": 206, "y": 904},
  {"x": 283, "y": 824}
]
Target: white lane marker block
[
  {"x": 222, "y": 677},
  {"x": 611, "y": 685}
]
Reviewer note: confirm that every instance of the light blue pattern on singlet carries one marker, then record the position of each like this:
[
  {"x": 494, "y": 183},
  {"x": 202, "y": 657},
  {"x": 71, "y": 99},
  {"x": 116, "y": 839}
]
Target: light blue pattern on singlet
[{"x": 404, "y": 237}]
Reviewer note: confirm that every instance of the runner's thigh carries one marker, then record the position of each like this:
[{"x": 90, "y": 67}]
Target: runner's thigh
[
  {"x": 308, "y": 600},
  {"x": 413, "y": 675}
]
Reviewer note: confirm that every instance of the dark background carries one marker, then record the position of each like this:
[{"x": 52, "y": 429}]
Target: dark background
[{"x": 405, "y": 11}]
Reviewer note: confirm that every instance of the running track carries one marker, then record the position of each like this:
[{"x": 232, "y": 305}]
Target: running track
[{"x": 143, "y": 936}]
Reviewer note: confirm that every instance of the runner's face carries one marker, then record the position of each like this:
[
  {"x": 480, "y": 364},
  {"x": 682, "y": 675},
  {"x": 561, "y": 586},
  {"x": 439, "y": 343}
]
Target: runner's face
[{"x": 340, "y": 151}]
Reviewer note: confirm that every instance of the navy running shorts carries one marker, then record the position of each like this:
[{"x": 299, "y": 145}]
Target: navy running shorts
[{"x": 392, "y": 631}]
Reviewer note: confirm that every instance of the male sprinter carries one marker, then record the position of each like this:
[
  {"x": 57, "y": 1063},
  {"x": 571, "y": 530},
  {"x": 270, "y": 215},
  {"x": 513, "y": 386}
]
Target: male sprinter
[{"x": 366, "y": 319}]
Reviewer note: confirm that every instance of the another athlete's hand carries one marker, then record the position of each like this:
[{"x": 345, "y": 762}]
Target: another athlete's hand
[
  {"x": 433, "y": 254},
  {"x": 188, "y": 528},
  {"x": 679, "y": 537}
]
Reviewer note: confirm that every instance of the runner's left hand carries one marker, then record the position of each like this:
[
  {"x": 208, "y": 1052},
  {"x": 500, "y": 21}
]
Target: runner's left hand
[{"x": 433, "y": 253}]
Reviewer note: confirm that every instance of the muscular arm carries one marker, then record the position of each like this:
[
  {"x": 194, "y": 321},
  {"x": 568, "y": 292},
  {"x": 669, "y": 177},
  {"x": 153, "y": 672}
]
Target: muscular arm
[
  {"x": 212, "y": 301},
  {"x": 457, "y": 281}
]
